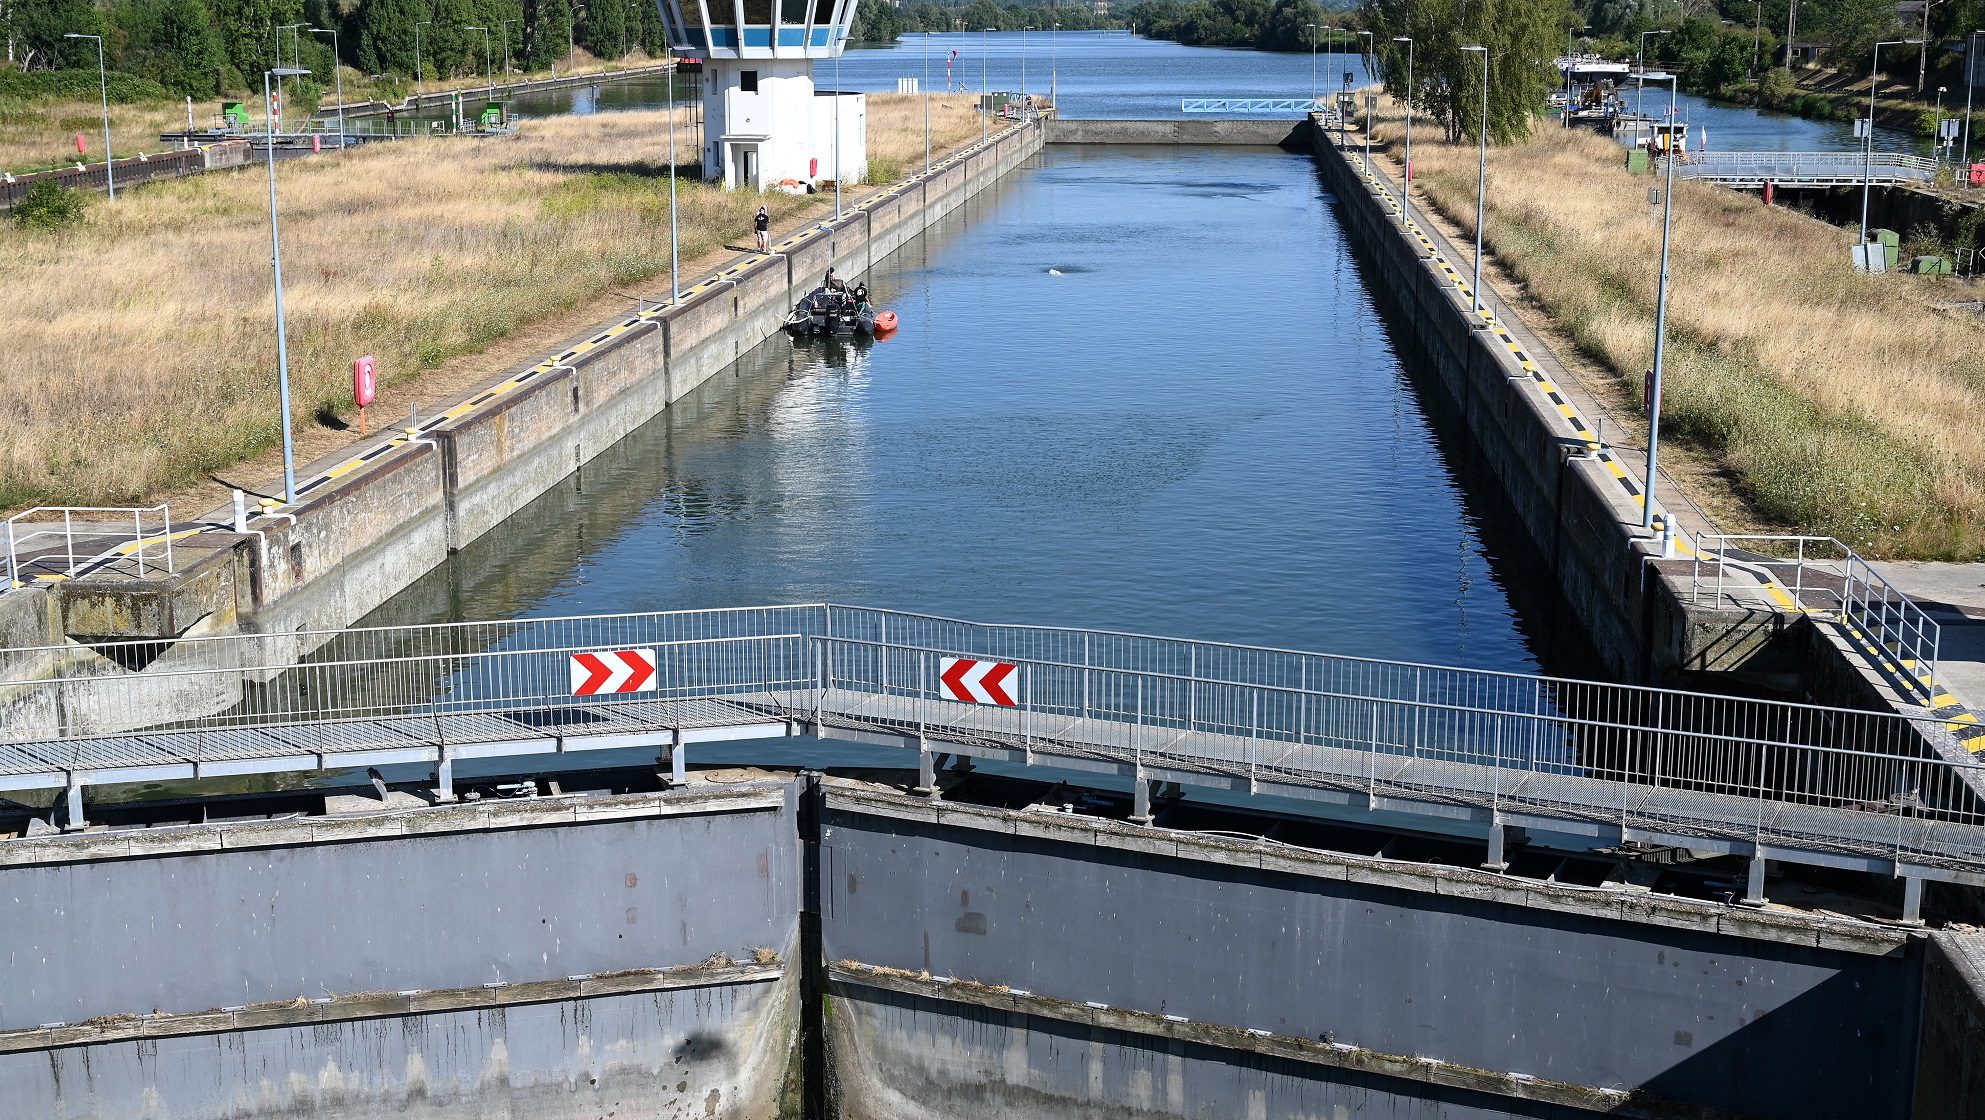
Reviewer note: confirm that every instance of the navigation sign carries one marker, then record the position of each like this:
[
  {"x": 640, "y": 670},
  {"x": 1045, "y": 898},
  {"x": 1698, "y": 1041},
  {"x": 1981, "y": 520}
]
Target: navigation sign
[
  {"x": 613, "y": 671},
  {"x": 977, "y": 682}
]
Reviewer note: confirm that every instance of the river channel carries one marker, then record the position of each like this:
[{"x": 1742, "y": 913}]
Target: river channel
[
  {"x": 1137, "y": 388},
  {"x": 1115, "y": 75}
]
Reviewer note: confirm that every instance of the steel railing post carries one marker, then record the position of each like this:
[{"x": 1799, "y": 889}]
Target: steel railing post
[
  {"x": 1027, "y": 710},
  {"x": 69, "y": 540},
  {"x": 819, "y": 683},
  {"x": 923, "y": 697},
  {"x": 882, "y": 650},
  {"x": 1254, "y": 740},
  {"x": 13, "y": 560},
  {"x": 1085, "y": 675},
  {"x": 1371, "y": 752},
  {"x": 1137, "y": 731},
  {"x": 1192, "y": 689}
]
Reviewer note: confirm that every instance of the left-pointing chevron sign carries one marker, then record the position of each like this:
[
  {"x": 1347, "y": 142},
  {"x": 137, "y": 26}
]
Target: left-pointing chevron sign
[
  {"x": 977, "y": 682},
  {"x": 613, "y": 671}
]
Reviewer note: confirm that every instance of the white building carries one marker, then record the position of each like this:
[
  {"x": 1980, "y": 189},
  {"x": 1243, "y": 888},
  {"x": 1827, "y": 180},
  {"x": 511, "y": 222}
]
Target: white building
[{"x": 763, "y": 120}]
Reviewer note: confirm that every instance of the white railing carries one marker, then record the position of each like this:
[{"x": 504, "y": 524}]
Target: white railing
[
  {"x": 1795, "y": 167},
  {"x": 69, "y": 541},
  {"x": 1823, "y": 576},
  {"x": 1829, "y": 779}
]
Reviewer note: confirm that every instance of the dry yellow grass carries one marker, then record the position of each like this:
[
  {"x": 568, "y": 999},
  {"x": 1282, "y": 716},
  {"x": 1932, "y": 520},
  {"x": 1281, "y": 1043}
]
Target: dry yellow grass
[
  {"x": 1837, "y": 404},
  {"x": 36, "y": 135},
  {"x": 136, "y": 351}
]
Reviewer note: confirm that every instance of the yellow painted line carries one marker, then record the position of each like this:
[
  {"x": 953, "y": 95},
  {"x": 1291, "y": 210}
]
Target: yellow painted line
[{"x": 1942, "y": 700}]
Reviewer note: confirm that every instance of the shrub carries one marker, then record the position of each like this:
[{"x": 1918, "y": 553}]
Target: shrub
[
  {"x": 48, "y": 206},
  {"x": 79, "y": 85}
]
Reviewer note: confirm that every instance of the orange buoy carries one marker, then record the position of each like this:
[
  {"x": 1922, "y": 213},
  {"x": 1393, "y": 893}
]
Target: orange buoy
[{"x": 885, "y": 321}]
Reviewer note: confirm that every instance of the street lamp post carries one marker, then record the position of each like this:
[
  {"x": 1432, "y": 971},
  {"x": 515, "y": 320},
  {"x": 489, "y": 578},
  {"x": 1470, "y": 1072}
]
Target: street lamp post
[
  {"x": 1023, "y": 61},
  {"x": 1481, "y": 177},
  {"x": 1054, "y": 68},
  {"x": 1970, "y": 72},
  {"x": 488, "y": 75},
  {"x": 103, "y": 87},
  {"x": 1757, "y": 35},
  {"x": 1660, "y": 325},
  {"x": 985, "y": 84},
  {"x": 675, "y": 260},
  {"x": 420, "y": 78},
  {"x": 340, "y": 71},
  {"x": 837, "y": 125},
  {"x": 506, "y": 43},
  {"x": 1313, "y": 89},
  {"x": 276, "y": 256},
  {"x": 926, "y": 103},
  {"x": 1406, "y": 184},
  {"x": 1868, "y": 150},
  {"x": 1368, "y": 110},
  {"x": 1640, "y": 65}
]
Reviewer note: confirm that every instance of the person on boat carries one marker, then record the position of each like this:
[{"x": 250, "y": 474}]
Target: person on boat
[{"x": 833, "y": 283}]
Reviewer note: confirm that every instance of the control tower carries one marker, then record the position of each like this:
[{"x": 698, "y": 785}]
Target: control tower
[{"x": 763, "y": 120}]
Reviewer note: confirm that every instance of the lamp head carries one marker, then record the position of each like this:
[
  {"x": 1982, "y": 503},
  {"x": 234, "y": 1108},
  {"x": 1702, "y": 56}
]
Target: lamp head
[{"x": 287, "y": 72}]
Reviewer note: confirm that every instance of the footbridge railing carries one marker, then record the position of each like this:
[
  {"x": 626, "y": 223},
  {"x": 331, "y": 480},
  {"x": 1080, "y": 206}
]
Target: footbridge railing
[
  {"x": 1817, "y": 783},
  {"x": 1802, "y": 169}
]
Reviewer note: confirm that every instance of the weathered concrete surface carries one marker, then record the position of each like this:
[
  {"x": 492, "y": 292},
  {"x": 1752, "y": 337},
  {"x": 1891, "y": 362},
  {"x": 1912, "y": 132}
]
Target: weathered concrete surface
[
  {"x": 1257, "y": 133},
  {"x": 191, "y": 922},
  {"x": 1716, "y": 1016},
  {"x": 913, "y": 1049},
  {"x": 1950, "y": 1063},
  {"x": 710, "y": 1051}
]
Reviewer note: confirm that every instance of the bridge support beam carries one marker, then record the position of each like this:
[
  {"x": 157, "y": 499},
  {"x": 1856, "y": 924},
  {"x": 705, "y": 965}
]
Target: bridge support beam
[
  {"x": 73, "y": 819},
  {"x": 1912, "y": 901},
  {"x": 678, "y": 761},
  {"x": 1754, "y": 883},
  {"x": 1495, "y": 862},
  {"x": 1140, "y": 800},
  {"x": 444, "y": 779},
  {"x": 926, "y": 771}
]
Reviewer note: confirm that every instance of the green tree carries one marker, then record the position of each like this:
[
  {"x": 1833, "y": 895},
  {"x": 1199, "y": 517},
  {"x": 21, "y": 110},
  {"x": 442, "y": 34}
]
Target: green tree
[
  {"x": 384, "y": 35},
  {"x": 1852, "y": 27},
  {"x": 1523, "y": 38},
  {"x": 35, "y": 30},
  {"x": 173, "y": 42}
]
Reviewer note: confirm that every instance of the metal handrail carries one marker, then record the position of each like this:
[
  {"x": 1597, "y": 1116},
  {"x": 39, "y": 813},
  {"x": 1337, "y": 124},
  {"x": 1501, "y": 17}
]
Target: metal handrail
[
  {"x": 1866, "y": 600},
  {"x": 1709, "y": 765},
  {"x": 20, "y": 531}
]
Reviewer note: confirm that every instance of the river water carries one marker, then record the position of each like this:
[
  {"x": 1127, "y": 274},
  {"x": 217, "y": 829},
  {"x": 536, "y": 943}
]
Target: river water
[
  {"x": 1137, "y": 388},
  {"x": 1113, "y": 74}
]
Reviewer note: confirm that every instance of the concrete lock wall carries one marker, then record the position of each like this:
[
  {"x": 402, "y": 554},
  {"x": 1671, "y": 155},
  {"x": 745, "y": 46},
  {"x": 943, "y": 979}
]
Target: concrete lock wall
[
  {"x": 549, "y": 958},
  {"x": 354, "y": 543},
  {"x": 1698, "y": 1008}
]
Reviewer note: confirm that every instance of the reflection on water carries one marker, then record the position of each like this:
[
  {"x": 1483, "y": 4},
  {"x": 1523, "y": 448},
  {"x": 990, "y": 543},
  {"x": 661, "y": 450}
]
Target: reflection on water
[{"x": 1111, "y": 405}]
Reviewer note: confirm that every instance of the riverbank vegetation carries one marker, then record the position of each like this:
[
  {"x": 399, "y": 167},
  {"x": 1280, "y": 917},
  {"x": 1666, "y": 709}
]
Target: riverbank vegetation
[
  {"x": 1456, "y": 45},
  {"x": 138, "y": 353},
  {"x": 1834, "y": 403}
]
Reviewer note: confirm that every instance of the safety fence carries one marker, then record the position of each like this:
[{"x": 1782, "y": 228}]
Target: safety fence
[
  {"x": 1828, "y": 778},
  {"x": 1826, "y": 577},
  {"x": 1802, "y": 168},
  {"x": 68, "y": 541}
]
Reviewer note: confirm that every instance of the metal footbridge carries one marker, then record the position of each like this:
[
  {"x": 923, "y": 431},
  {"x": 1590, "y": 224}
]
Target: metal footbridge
[
  {"x": 1803, "y": 169},
  {"x": 1806, "y": 784}
]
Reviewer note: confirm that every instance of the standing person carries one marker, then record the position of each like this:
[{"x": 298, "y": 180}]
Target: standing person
[{"x": 762, "y": 225}]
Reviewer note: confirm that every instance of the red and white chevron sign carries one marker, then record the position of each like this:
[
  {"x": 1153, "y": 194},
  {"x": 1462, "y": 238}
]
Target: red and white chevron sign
[
  {"x": 977, "y": 682},
  {"x": 613, "y": 671}
]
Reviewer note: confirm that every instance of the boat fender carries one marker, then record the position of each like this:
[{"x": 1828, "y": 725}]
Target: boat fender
[{"x": 885, "y": 321}]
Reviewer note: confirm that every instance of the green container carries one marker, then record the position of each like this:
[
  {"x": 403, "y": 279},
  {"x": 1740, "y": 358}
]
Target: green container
[
  {"x": 1891, "y": 243},
  {"x": 1931, "y": 266},
  {"x": 1637, "y": 162},
  {"x": 235, "y": 114}
]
